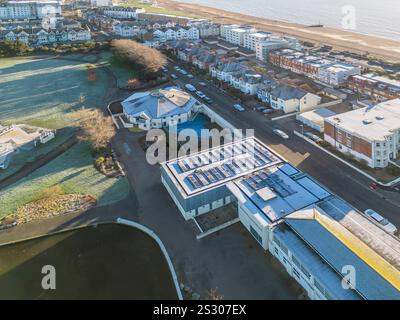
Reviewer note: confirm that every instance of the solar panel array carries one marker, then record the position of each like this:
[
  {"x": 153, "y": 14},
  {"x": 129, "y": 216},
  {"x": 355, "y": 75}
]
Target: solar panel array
[
  {"x": 230, "y": 160},
  {"x": 272, "y": 180}
]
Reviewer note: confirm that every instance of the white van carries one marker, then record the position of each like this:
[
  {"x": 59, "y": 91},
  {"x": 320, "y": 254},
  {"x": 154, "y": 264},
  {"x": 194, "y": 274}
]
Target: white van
[{"x": 383, "y": 223}]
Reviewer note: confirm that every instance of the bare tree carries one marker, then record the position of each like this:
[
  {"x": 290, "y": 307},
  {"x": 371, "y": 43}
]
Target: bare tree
[
  {"x": 96, "y": 128},
  {"x": 150, "y": 60},
  {"x": 213, "y": 294}
]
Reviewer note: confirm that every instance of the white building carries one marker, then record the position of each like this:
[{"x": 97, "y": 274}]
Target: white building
[
  {"x": 101, "y": 3},
  {"x": 177, "y": 33},
  {"x": 313, "y": 233},
  {"x": 208, "y": 30},
  {"x": 247, "y": 82},
  {"x": 16, "y": 138},
  {"x": 263, "y": 48},
  {"x": 225, "y": 27},
  {"x": 122, "y": 12},
  {"x": 315, "y": 118},
  {"x": 126, "y": 30},
  {"x": 223, "y": 70},
  {"x": 251, "y": 40},
  {"x": 337, "y": 73},
  {"x": 287, "y": 98},
  {"x": 237, "y": 35},
  {"x": 27, "y": 9},
  {"x": 370, "y": 134},
  {"x": 159, "y": 108}
]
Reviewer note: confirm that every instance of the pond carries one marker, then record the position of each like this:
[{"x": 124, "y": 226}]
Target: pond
[{"x": 109, "y": 261}]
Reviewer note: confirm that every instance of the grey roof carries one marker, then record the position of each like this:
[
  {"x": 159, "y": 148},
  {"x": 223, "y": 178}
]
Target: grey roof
[
  {"x": 314, "y": 264},
  {"x": 283, "y": 91},
  {"x": 159, "y": 103},
  {"x": 369, "y": 283}
]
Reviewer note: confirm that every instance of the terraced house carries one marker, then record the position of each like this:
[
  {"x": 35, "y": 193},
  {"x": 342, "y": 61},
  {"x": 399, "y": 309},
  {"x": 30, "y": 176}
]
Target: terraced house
[
  {"x": 328, "y": 71},
  {"x": 38, "y": 37},
  {"x": 376, "y": 87},
  {"x": 176, "y": 33}
]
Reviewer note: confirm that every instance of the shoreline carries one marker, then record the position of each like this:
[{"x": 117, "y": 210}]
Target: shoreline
[{"x": 338, "y": 39}]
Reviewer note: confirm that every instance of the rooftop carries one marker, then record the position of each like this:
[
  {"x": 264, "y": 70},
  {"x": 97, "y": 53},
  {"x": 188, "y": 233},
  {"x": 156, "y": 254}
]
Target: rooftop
[
  {"x": 324, "y": 241},
  {"x": 373, "y": 123},
  {"x": 277, "y": 191},
  {"x": 158, "y": 103},
  {"x": 214, "y": 167}
]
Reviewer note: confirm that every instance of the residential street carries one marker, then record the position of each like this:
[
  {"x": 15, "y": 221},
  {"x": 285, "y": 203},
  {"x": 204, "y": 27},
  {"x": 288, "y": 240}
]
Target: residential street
[{"x": 339, "y": 178}]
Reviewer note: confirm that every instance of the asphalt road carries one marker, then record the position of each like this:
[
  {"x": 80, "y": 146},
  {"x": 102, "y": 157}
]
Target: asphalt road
[{"x": 336, "y": 176}]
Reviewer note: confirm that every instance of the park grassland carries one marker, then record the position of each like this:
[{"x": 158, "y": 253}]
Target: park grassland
[
  {"x": 150, "y": 9},
  {"x": 72, "y": 172},
  {"x": 46, "y": 92}
]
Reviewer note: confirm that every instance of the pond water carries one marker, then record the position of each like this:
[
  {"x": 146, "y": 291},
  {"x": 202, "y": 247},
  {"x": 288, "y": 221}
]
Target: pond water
[{"x": 109, "y": 261}]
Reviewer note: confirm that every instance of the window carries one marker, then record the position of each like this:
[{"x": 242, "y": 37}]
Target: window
[{"x": 255, "y": 235}]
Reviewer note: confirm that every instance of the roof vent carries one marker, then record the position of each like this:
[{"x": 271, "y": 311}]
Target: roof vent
[
  {"x": 380, "y": 117},
  {"x": 367, "y": 121}
]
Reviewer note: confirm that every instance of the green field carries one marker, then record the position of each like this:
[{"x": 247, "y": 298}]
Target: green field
[
  {"x": 74, "y": 172},
  {"x": 150, "y": 9},
  {"x": 45, "y": 91}
]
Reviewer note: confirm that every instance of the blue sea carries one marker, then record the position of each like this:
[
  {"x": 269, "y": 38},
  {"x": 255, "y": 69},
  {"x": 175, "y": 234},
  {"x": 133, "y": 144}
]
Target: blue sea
[{"x": 378, "y": 17}]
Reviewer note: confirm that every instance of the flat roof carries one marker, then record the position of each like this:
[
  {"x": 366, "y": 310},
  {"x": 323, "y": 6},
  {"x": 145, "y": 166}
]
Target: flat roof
[
  {"x": 375, "y": 78},
  {"x": 317, "y": 116},
  {"x": 204, "y": 170},
  {"x": 373, "y": 123},
  {"x": 277, "y": 191}
]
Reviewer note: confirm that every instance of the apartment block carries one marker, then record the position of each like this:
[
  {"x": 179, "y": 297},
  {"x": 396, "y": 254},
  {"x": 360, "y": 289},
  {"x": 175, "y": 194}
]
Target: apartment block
[
  {"x": 370, "y": 134},
  {"x": 250, "y": 40}
]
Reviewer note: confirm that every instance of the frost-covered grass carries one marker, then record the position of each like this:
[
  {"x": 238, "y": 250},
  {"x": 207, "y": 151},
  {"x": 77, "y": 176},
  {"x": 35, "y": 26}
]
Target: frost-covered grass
[{"x": 73, "y": 172}]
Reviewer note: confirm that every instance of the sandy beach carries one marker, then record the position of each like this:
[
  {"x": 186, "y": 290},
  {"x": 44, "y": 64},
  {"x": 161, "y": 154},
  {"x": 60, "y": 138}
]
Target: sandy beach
[{"x": 339, "y": 39}]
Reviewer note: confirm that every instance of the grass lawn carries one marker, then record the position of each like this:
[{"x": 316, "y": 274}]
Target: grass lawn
[
  {"x": 122, "y": 70},
  {"x": 45, "y": 92},
  {"x": 74, "y": 172},
  {"x": 150, "y": 9}
]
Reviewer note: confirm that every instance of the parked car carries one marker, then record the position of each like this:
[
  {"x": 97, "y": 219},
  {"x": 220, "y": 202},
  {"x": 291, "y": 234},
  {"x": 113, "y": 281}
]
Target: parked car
[
  {"x": 203, "y": 84},
  {"x": 177, "y": 68},
  {"x": 381, "y": 221},
  {"x": 174, "y": 76},
  {"x": 200, "y": 94},
  {"x": 190, "y": 87},
  {"x": 268, "y": 111},
  {"x": 313, "y": 136},
  {"x": 183, "y": 72},
  {"x": 238, "y": 107},
  {"x": 281, "y": 133},
  {"x": 208, "y": 100},
  {"x": 261, "y": 109},
  {"x": 190, "y": 76},
  {"x": 164, "y": 69}
]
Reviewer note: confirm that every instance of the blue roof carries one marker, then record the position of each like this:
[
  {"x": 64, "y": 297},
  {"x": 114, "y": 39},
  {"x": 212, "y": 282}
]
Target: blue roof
[
  {"x": 313, "y": 263},
  {"x": 289, "y": 195},
  {"x": 369, "y": 283},
  {"x": 159, "y": 103}
]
